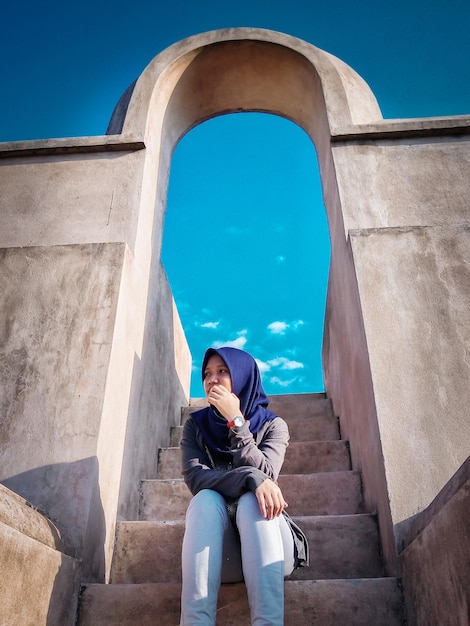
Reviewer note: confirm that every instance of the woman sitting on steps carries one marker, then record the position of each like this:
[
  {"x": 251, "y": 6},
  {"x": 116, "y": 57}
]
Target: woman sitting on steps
[{"x": 236, "y": 525}]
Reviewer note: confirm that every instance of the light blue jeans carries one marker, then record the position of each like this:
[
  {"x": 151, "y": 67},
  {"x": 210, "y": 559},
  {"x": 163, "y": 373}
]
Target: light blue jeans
[{"x": 262, "y": 555}]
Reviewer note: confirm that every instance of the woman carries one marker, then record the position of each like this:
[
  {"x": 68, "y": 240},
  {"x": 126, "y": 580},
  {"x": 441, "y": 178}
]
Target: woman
[{"x": 236, "y": 525}]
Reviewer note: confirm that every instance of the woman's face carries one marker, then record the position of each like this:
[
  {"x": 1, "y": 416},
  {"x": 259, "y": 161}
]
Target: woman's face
[{"x": 216, "y": 373}]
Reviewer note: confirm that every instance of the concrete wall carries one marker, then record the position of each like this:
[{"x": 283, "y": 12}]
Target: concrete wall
[
  {"x": 59, "y": 307},
  {"x": 54, "y": 193},
  {"x": 436, "y": 558},
  {"x": 94, "y": 364},
  {"x": 405, "y": 200}
]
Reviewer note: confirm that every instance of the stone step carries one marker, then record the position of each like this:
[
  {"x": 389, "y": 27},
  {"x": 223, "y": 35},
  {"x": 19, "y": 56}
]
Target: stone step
[
  {"x": 340, "y": 547},
  {"x": 312, "y": 457},
  {"x": 175, "y": 436},
  {"x": 301, "y": 458},
  {"x": 363, "y": 602},
  {"x": 37, "y": 566},
  {"x": 328, "y": 493},
  {"x": 313, "y": 428},
  {"x": 305, "y": 405}
]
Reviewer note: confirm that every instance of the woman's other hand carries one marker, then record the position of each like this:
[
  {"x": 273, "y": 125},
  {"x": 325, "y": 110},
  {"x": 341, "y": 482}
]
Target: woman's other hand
[
  {"x": 270, "y": 499},
  {"x": 224, "y": 401}
]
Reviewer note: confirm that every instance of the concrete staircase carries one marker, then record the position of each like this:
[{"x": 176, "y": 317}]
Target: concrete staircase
[{"x": 345, "y": 583}]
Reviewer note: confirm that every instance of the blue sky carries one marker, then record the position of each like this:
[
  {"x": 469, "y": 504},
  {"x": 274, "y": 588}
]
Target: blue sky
[{"x": 245, "y": 244}]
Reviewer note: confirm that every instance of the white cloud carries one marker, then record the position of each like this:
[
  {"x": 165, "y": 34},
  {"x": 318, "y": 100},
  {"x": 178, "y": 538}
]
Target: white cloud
[
  {"x": 278, "y": 328},
  {"x": 278, "y": 368},
  {"x": 285, "y": 364},
  {"x": 210, "y": 325},
  {"x": 239, "y": 342},
  {"x": 292, "y": 365},
  {"x": 282, "y": 383}
]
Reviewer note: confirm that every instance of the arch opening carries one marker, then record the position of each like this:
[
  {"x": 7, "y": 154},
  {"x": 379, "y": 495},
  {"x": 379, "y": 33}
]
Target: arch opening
[{"x": 251, "y": 265}]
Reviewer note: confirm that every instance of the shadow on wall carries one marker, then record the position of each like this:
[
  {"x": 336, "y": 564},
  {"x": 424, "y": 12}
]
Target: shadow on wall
[{"x": 68, "y": 494}]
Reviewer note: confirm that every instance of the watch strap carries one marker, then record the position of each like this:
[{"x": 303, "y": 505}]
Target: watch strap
[{"x": 232, "y": 423}]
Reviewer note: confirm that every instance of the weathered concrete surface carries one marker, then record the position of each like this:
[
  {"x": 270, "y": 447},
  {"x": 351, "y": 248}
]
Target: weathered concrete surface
[
  {"x": 160, "y": 383},
  {"x": 415, "y": 292},
  {"x": 341, "y": 546},
  {"x": 400, "y": 176},
  {"x": 317, "y": 603},
  {"x": 55, "y": 349},
  {"x": 246, "y": 69},
  {"x": 19, "y": 514},
  {"x": 301, "y": 458},
  {"x": 54, "y": 198},
  {"x": 436, "y": 561},
  {"x": 60, "y": 400},
  {"x": 38, "y": 582},
  {"x": 348, "y": 383},
  {"x": 38, "y": 585},
  {"x": 326, "y": 493}
]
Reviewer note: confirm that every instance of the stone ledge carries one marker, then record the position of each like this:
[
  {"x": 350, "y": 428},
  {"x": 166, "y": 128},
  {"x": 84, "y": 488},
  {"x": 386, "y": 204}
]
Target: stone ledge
[
  {"x": 404, "y": 129},
  {"x": 19, "y": 514},
  {"x": 71, "y": 145}
]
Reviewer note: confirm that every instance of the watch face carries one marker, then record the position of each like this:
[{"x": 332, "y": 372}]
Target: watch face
[{"x": 238, "y": 421}]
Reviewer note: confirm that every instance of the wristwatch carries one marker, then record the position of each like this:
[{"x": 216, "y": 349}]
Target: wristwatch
[{"x": 236, "y": 422}]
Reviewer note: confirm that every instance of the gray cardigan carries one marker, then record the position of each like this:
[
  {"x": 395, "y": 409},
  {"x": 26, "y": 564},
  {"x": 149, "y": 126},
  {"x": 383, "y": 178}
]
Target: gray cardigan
[{"x": 254, "y": 458}]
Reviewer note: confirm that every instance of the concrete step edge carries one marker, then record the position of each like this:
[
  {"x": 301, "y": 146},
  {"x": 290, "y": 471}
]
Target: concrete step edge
[
  {"x": 24, "y": 517},
  {"x": 309, "y": 457},
  {"x": 334, "y": 493},
  {"x": 345, "y": 545},
  {"x": 356, "y": 602}
]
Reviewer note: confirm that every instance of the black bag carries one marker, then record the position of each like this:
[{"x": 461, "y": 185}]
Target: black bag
[{"x": 301, "y": 556}]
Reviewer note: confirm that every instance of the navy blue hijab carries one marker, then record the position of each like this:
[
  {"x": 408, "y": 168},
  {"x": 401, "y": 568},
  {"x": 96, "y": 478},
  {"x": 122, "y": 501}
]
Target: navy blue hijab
[{"x": 246, "y": 385}]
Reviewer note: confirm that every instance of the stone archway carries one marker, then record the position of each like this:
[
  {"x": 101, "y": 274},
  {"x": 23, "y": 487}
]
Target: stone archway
[
  {"x": 238, "y": 70},
  {"x": 374, "y": 185},
  {"x": 245, "y": 69}
]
